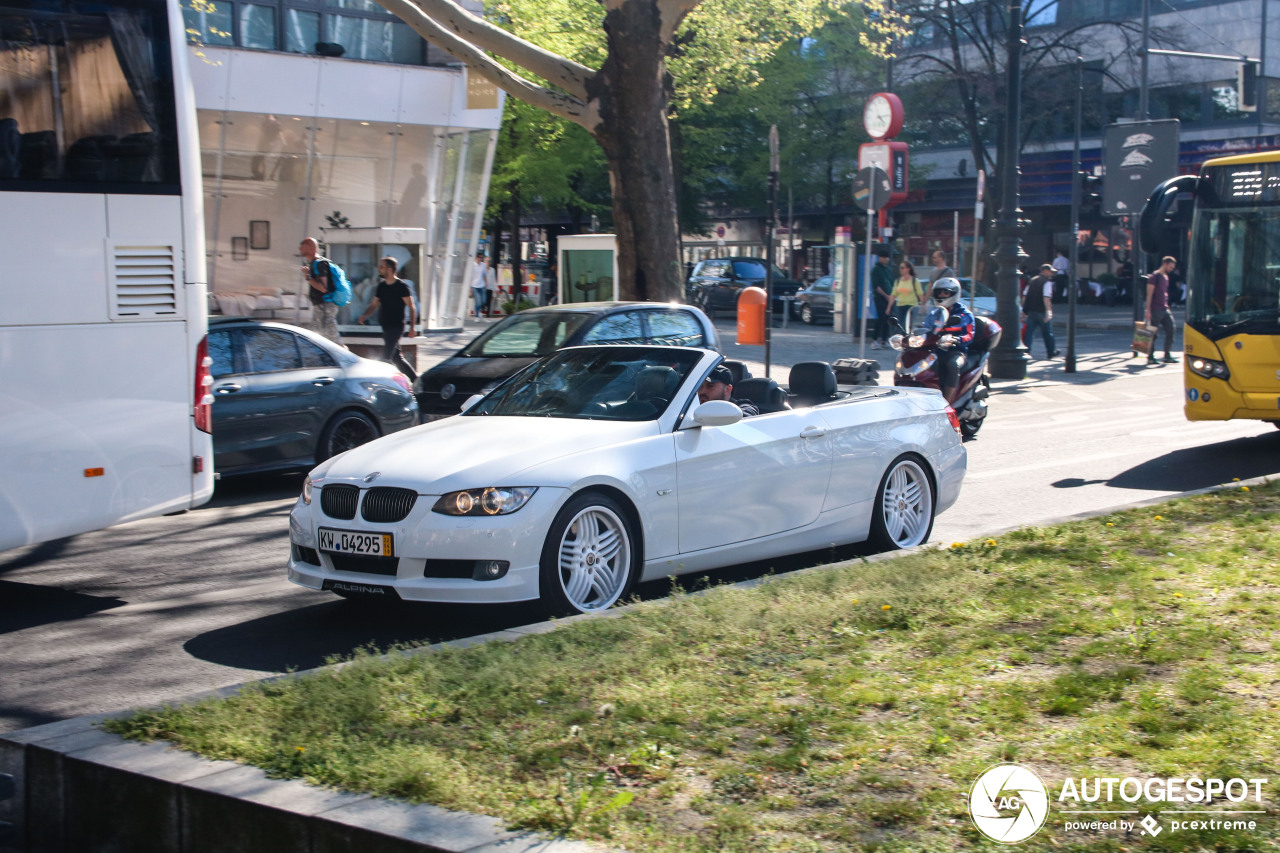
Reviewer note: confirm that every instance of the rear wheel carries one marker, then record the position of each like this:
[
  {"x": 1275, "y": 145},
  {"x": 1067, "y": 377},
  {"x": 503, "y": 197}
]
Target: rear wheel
[
  {"x": 903, "y": 513},
  {"x": 590, "y": 558},
  {"x": 347, "y": 430}
]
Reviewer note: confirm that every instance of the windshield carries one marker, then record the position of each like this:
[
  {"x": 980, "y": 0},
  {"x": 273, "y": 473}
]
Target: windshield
[
  {"x": 523, "y": 335},
  {"x": 618, "y": 383},
  {"x": 1234, "y": 271}
]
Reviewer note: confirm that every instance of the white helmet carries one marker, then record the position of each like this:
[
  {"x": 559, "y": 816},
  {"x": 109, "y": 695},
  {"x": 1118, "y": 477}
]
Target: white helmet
[{"x": 946, "y": 291}]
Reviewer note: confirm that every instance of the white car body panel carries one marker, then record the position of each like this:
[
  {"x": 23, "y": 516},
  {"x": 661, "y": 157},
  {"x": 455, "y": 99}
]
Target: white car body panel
[{"x": 704, "y": 497}]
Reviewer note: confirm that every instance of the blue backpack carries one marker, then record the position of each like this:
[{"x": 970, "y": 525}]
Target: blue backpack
[{"x": 341, "y": 293}]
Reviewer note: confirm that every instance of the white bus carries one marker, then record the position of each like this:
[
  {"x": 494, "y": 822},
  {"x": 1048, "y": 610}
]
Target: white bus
[{"x": 104, "y": 406}]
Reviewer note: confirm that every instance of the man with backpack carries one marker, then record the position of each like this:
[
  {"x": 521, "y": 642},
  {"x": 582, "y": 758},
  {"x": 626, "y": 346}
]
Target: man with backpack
[{"x": 322, "y": 290}]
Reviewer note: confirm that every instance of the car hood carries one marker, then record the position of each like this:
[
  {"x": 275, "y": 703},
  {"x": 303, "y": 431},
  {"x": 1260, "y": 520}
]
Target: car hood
[
  {"x": 473, "y": 372},
  {"x": 472, "y": 452}
]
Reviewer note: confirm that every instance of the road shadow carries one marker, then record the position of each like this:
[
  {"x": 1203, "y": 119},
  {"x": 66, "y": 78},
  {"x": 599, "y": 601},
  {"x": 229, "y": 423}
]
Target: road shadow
[
  {"x": 305, "y": 637},
  {"x": 27, "y": 605},
  {"x": 1208, "y": 465},
  {"x": 253, "y": 488}
]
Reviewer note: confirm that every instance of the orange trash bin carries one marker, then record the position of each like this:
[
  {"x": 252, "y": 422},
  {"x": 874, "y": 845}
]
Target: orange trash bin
[{"x": 751, "y": 315}]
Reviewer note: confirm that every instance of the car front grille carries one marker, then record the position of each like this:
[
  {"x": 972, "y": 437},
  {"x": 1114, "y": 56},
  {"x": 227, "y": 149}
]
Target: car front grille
[
  {"x": 339, "y": 501},
  {"x": 365, "y": 565},
  {"x": 384, "y": 505}
]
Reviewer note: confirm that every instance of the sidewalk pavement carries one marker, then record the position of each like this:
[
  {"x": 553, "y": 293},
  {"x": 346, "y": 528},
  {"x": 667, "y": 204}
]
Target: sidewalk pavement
[{"x": 798, "y": 342}]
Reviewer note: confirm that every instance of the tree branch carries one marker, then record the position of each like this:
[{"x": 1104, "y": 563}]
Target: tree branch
[{"x": 452, "y": 29}]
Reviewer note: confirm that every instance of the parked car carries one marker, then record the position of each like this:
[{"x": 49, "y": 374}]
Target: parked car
[
  {"x": 598, "y": 468},
  {"x": 285, "y": 397},
  {"x": 714, "y": 284},
  {"x": 814, "y": 303},
  {"x": 984, "y": 298},
  {"x": 517, "y": 341}
]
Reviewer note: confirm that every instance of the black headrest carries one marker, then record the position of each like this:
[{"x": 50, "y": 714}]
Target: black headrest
[
  {"x": 656, "y": 382},
  {"x": 814, "y": 379},
  {"x": 764, "y": 392},
  {"x": 738, "y": 369}
]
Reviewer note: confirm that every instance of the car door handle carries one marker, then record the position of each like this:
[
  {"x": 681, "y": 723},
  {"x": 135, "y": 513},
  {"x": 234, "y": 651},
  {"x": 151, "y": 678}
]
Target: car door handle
[
  {"x": 229, "y": 388},
  {"x": 323, "y": 380},
  {"x": 812, "y": 432}
]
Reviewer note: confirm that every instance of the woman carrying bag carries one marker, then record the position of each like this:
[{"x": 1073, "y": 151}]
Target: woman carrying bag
[{"x": 907, "y": 294}]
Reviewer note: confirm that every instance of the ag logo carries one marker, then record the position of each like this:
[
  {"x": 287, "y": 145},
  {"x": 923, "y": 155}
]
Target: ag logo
[{"x": 1008, "y": 803}]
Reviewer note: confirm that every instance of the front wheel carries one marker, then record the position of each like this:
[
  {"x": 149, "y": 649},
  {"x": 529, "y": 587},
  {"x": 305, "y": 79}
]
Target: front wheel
[
  {"x": 590, "y": 558},
  {"x": 347, "y": 430},
  {"x": 903, "y": 513},
  {"x": 806, "y": 313}
]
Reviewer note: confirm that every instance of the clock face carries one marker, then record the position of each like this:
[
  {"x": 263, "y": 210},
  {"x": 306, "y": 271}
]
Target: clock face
[{"x": 878, "y": 116}]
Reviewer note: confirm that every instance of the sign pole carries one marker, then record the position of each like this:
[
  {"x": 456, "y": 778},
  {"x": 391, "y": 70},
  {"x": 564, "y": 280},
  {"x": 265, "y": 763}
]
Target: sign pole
[
  {"x": 977, "y": 224},
  {"x": 866, "y": 288}
]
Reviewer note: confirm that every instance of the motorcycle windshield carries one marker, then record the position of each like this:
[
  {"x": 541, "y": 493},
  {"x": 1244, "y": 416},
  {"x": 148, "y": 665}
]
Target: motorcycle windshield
[{"x": 934, "y": 319}]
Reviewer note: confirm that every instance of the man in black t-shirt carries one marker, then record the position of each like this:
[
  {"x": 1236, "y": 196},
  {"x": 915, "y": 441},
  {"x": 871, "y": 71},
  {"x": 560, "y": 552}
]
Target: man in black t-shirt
[
  {"x": 390, "y": 301},
  {"x": 719, "y": 386}
]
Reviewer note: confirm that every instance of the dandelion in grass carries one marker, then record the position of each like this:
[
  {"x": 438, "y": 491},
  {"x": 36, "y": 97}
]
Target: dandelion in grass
[
  {"x": 1244, "y": 488},
  {"x": 1111, "y": 524},
  {"x": 886, "y": 607},
  {"x": 1159, "y": 518},
  {"x": 991, "y": 543}
]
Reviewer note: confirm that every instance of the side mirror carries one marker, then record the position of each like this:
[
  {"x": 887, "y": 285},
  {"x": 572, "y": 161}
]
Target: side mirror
[
  {"x": 471, "y": 401},
  {"x": 714, "y": 413}
]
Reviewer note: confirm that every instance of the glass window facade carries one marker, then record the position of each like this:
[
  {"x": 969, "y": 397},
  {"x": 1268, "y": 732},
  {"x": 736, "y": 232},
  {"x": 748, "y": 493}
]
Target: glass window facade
[
  {"x": 303, "y": 174},
  {"x": 363, "y": 28}
]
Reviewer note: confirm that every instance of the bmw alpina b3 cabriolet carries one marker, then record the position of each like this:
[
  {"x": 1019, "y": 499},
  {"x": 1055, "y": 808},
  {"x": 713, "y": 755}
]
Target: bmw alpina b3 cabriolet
[{"x": 597, "y": 467}]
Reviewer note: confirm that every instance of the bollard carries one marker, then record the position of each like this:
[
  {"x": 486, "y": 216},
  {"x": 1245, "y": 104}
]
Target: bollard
[{"x": 751, "y": 314}]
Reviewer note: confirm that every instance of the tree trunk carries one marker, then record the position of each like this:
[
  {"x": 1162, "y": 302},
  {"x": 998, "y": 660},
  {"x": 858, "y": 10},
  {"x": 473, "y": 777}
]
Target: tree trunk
[{"x": 633, "y": 89}]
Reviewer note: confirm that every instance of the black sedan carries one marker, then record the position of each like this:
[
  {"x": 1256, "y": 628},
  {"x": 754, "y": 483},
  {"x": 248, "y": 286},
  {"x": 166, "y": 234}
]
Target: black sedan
[
  {"x": 517, "y": 341},
  {"x": 285, "y": 397},
  {"x": 714, "y": 284},
  {"x": 814, "y": 303}
]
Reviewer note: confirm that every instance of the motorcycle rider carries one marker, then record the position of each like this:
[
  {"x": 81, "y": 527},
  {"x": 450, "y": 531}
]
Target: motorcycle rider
[{"x": 956, "y": 334}]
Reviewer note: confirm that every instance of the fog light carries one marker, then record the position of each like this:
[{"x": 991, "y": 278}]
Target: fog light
[{"x": 490, "y": 570}]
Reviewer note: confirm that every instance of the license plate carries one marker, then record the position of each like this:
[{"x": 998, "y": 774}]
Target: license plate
[{"x": 356, "y": 542}]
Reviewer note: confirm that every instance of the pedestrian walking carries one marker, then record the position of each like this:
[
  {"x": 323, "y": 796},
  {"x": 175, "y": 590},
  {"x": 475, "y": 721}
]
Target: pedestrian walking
[
  {"x": 320, "y": 282},
  {"x": 1157, "y": 312},
  {"x": 479, "y": 284},
  {"x": 1037, "y": 308},
  {"x": 392, "y": 300},
  {"x": 881, "y": 291},
  {"x": 907, "y": 294},
  {"x": 940, "y": 268},
  {"x": 1062, "y": 273}
]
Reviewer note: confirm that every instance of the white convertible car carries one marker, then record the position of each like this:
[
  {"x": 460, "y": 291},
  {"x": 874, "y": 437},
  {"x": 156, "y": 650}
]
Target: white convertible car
[{"x": 597, "y": 467}]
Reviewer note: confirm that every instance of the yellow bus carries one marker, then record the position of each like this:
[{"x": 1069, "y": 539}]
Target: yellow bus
[{"x": 1232, "y": 333}]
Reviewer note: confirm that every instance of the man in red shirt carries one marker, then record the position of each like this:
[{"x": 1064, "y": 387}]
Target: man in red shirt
[{"x": 1158, "y": 314}]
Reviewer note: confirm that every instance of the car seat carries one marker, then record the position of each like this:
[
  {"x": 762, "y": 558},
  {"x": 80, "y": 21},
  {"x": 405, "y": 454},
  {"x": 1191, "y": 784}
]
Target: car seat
[
  {"x": 765, "y": 393},
  {"x": 811, "y": 383},
  {"x": 738, "y": 369}
]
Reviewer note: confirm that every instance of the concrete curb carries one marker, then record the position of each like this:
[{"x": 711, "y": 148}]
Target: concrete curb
[{"x": 81, "y": 789}]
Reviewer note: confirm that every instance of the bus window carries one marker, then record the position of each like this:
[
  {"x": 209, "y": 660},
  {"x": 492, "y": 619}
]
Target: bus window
[{"x": 114, "y": 130}]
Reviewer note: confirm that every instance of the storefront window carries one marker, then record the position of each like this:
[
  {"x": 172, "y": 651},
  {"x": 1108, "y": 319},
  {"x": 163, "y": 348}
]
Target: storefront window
[
  {"x": 380, "y": 41},
  {"x": 208, "y": 23}
]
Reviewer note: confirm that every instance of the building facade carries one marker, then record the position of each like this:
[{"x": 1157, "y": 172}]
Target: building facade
[{"x": 321, "y": 116}]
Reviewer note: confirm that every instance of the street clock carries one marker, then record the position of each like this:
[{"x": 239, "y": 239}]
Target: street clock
[{"x": 882, "y": 116}]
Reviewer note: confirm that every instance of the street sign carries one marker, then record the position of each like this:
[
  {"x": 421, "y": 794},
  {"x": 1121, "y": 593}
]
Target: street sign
[
  {"x": 1137, "y": 156},
  {"x": 872, "y": 188}
]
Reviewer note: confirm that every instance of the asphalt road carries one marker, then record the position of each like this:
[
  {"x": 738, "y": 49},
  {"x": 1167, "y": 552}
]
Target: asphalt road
[{"x": 165, "y": 607}]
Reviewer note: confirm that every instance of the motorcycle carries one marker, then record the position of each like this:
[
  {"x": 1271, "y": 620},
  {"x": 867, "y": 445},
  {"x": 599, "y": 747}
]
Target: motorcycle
[{"x": 921, "y": 350}]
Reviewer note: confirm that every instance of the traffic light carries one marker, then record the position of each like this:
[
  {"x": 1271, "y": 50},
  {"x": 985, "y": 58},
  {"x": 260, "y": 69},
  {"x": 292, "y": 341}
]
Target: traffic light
[{"x": 1247, "y": 87}]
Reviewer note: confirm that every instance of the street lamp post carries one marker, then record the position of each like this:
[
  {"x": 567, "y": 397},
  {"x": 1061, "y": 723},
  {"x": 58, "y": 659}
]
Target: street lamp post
[
  {"x": 1073, "y": 282},
  {"x": 769, "y": 251},
  {"x": 1009, "y": 361}
]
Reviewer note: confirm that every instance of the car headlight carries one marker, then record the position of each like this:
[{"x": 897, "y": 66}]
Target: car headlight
[
  {"x": 502, "y": 500},
  {"x": 919, "y": 367},
  {"x": 1208, "y": 368},
  {"x": 306, "y": 490}
]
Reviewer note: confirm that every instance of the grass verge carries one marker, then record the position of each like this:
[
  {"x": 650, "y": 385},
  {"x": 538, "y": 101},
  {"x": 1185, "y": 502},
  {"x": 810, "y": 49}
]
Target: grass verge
[{"x": 845, "y": 709}]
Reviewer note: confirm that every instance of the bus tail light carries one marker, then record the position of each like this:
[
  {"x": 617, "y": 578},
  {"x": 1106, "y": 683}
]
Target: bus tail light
[{"x": 203, "y": 400}]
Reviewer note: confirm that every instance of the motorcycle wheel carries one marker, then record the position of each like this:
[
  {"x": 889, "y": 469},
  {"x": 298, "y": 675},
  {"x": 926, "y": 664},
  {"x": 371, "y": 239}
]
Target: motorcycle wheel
[{"x": 969, "y": 429}]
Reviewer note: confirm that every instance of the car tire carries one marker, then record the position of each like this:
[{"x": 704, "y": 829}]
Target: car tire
[
  {"x": 344, "y": 431},
  {"x": 806, "y": 313},
  {"x": 903, "y": 513},
  {"x": 591, "y": 556}
]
